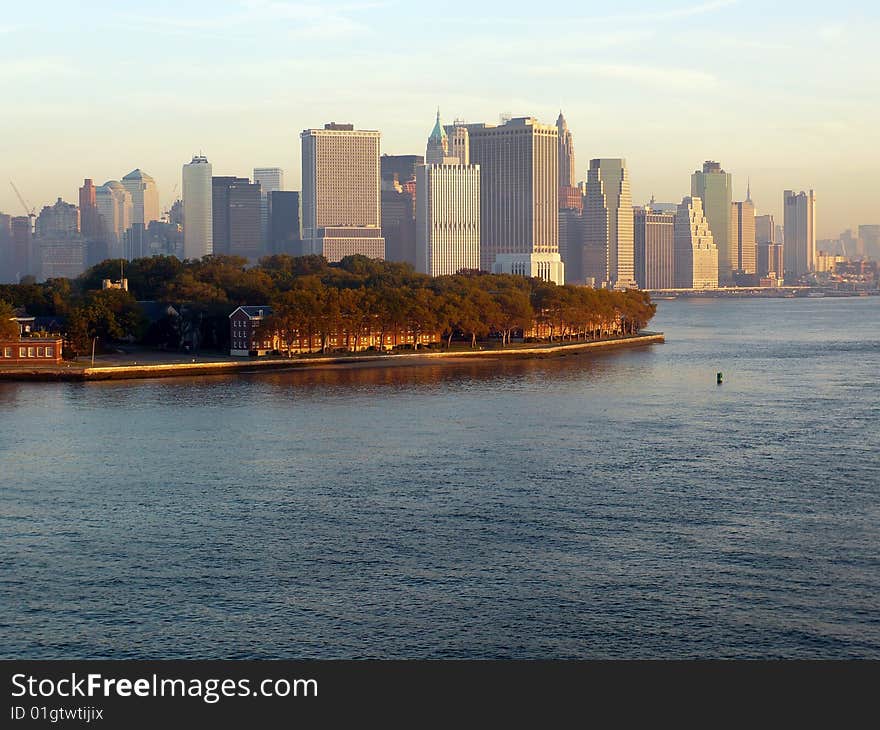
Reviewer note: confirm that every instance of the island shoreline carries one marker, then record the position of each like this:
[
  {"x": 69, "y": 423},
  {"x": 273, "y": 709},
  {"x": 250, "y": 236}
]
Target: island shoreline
[{"x": 252, "y": 366}]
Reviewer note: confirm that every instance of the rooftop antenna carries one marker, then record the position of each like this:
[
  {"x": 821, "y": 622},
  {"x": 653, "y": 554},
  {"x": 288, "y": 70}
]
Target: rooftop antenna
[{"x": 749, "y": 191}]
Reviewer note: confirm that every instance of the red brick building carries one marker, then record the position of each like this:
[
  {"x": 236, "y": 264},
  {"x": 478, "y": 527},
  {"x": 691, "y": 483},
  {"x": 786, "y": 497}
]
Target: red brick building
[
  {"x": 31, "y": 351},
  {"x": 244, "y": 339}
]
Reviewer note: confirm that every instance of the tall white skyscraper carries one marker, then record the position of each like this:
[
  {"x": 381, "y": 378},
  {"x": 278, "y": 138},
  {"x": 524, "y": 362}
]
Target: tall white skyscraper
[
  {"x": 271, "y": 180},
  {"x": 608, "y": 256},
  {"x": 341, "y": 191},
  {"x": 696, "y": 255},
  {"x": 144, "y": 197},
  {"x": 714, "y": 187},
  {"x": 198, "y": 223},
  {"x": 447, "y": 211},
  {"x": 799, "y": 250}
]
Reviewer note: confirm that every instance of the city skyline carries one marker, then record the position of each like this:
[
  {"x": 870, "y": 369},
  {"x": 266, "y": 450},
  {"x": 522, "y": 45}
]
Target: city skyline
[{"x": 664, "y": 88}]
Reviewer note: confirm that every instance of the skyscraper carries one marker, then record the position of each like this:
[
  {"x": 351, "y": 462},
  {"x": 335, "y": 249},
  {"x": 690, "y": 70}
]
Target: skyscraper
[
  {"x": 459, "y": 143},
  {"x": 765, "y": 229},
  {"x": 399, "y": 167},
  {"x": 114, "y": 206},
  {"x": 285, "y": 236},
  {"x": 399, "y": 220},
  {"x": 341, "y": 192},
  {"x": 447, "y": 211},
  {"x": 654, "y": 244},
  {"x": 235, "y": 216},
  {"x": 198, "y": 235},
  {"x": 271, "y": 179},
  {"x": 800, "y": 234},
  {"x": 608, "y": 225},
  {"x": 768, "y": 253},
  {"x": 714, "y": 187},
  {"x": 60, "y": 247},
  {"x": 22, "y": 248},
  {"x": 144, "y": 197},
  {"x": 869, "y": 241},
  {"x": 696, "y": 255},
  {"x": 6, "y": 273},
  {"x": 59, "y": 219},
  {"x": 519, "y": 197},
  {"x": 438, "y": 144},
  {"x": 566, "y": 154},
  {"x": 743, "y": 235},
  {"x": 88, "y": 210}
]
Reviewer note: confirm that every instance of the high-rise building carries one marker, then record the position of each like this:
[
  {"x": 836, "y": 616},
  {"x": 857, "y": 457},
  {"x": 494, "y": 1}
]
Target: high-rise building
[
  {"x": 399, "y": 167},
  {"x": 566, "y": 154},
  {"x": 447, "y": 210},
  {"x": 519, "y": 197},
  {"x": 800, "y": 234},
  {"x": 285, "y": 235},
  {"x": 696, "y": 255},
  {"x": 198, "y": 222},
  {"x": 341, "y": 204},
  {"x": 447, "y": 218},
  {"x": 459, "y": 143},
  {"x": 23, "y": 262},
  {"x": 765, "y": 229},
  {"x": 144, "y": 197},
  {"x": 714, "y": 187},
  {"x": 398, "y": 221},
  {"x": 61, "y": 256},
  {"x": 869, "y": 241},
  {"x": 271, "y": 179},
  {"x": 114, "y": 207},
  {"x": 571, "y": 242},
  {"x": 88, "y": 210},
  {"x": 59, "y": 219},
  {"x": 769, "y": 259},
  {"x": 743, "y": 235},
  {"x": 60, "y": 248},
  {"x": 6, "y": 273},
  {"x": 235, "y": 212},
  {"x": 608, "y": 225},
  {"x": 438, "y": 144},
  {"x": 654, "y": 249}
]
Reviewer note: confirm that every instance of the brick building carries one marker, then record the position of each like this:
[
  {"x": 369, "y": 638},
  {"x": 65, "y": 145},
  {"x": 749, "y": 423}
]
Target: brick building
[{"x": 31, "y": 351}]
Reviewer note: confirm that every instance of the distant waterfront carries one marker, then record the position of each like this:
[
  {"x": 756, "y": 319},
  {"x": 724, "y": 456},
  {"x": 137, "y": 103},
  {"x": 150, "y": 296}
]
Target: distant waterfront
[
  {"x": 608, "y": 505},
  {"x": 162, "y": 365}
]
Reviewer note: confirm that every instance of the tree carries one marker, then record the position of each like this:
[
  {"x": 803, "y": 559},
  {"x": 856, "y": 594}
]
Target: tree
[{"x": 9, "y": 329}]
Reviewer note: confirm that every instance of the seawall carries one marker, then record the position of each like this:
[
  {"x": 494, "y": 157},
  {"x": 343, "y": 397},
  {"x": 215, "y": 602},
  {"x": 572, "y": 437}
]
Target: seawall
[{"x": 176, "y": 370}]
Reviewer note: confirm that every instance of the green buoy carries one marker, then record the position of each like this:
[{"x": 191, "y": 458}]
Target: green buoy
[{"x": 720, "y": 378}]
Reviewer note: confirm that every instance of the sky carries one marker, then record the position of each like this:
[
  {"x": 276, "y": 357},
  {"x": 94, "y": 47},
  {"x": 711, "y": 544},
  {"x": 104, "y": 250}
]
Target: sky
[{"x": 786, "y": 94}]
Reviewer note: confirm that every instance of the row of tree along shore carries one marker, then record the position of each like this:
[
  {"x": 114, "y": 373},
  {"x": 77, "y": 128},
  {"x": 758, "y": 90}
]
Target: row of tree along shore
[{"x": 319, "y": 305}]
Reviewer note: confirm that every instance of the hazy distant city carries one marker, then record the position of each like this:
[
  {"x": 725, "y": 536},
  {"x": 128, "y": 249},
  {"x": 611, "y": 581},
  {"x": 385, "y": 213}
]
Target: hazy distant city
[{"x": 503, "y": 197}]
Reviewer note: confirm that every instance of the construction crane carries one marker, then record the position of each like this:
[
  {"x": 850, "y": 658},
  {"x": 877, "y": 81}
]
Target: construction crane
[{"x": 30, "y": 210}]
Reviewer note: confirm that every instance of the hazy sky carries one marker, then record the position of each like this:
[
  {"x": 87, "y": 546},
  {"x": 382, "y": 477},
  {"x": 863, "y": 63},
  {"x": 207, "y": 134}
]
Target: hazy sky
[{"x": 787, "y": 93}]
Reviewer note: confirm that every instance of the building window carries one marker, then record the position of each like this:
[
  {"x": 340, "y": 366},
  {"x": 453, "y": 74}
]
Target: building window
[
  {"x": 7, "y": 352},
  {"x": 40, "y": 352},
  {"x": 31, "y": 352},
  {"x": 22, "y": 352},
  {"x": 50, "y": 352}
]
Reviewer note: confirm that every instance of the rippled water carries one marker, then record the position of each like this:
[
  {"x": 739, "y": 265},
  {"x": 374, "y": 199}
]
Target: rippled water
[{"x": 608, "y": 505}]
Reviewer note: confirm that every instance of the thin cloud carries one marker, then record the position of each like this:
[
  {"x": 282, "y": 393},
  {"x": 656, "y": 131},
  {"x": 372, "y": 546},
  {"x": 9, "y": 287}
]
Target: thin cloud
[
  {"x": 645, "y": 75},
  {"x": 41, "y": 66},
  {"x": 306, "y": 20}
]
